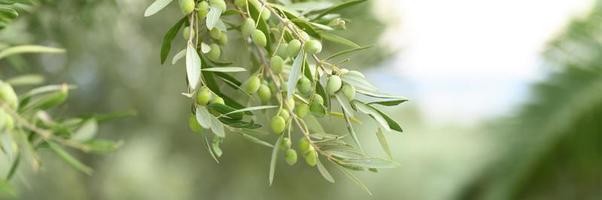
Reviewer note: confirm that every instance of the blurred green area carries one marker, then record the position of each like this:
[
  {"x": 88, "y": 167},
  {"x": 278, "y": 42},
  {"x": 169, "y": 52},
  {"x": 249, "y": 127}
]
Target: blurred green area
[{"x": 550, "y": 149}]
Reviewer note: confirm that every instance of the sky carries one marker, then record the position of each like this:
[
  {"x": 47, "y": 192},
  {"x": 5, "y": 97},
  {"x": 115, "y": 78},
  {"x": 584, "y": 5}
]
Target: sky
[{"x": 463, "y": 61}]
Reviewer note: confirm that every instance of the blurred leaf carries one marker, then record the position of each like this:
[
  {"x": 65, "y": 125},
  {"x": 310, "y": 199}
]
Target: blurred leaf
[
  {"x": 338, "y": 39},
  {"x": 102, "y": 146},
  {"x": 338, "y": 7},
  {"x": 217, "y": 128},
  {"x": 168, "y": 38},
  {"x": 351, "y": 131},
  {"x": 28, "y": 49},
  {"x": 68, "y": 158},
  {"x": 86, "y": 132},
  {"x": 274, "y": 158},
  {"x": 246, "y": 135},
  {"x": 324, "y": 172},
  {"x": 392, "y": 102},
  {"x": 213, "y": 17},
  {"x": 383, "y": 142},
  {"x": 293, "y": 76},
  {"x": 371, "y": 163},
  {"x": 354, "y": 179},
  {"x": 178, "y": 56},
  {"x": 28, "y": 79},
  {"x": 156, "y": 6},
  {"x": 252, "y": 109},
  {"x": 6, "y": 190},
  {"x": 357, "y": 81}
]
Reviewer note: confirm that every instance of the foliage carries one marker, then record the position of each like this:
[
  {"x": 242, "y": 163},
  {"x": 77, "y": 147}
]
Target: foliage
[{"x": 288, "y": 86}]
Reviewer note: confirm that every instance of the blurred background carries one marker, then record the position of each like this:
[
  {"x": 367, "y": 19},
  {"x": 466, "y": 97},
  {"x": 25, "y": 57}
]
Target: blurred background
[{"x": 506, "y": 103}]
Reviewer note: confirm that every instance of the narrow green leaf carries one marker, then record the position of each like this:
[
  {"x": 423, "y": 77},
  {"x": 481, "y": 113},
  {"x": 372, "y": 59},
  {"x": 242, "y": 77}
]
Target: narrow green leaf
[
  {"x": 351, "y": 131},
  {"x": 338, "y": 39},
  {"x": 168, "y": 38},
  {"x": 347, "y": 51},
  {"x": 210, "y": 149},
  {"x": 274, "y": 159},
  {"x": 293, "y": 76},
  {"x": 101, "y": 146},
  {"x": 377, "y": 94},
  {"x": 193, "y": 67},
  {"x": 217, "y": 127},
  {"x": 28, "y": 79},
  {"x": 369, "y": 110},
  {"x": 383, "y": 143},
  {"x": 344, "y": 104},
  {"x": 392, "y": 102},
  {"x": 353, "y": 178},
  {"x": 178, "y": 56},
  {"x": 357, "y": 81},
  {"x": 324, "y": 172},
  {"x": 28, "y": 49},
  {"x": 213, "y": 17},
  {"x": 68, "y": 158},
  {"x": 86, "y": 132},
  {"x": 377, "y": 163},
  {"x": 338, "y": 7},
  {"x": 246, "y": 134},
  {"x": 203, "y": 117},
  {"x": 392, "y": 123},
  {"x": 156, "y": 6},
  {"x": 225, "y": 69}
]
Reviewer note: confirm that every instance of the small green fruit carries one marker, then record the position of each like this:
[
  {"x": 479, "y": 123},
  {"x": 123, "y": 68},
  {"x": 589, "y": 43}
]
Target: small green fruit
[
  {"x": 301, "y": 110},
  {"x": 214, "y": 53},
  {"x": 224, "y": 39},
  {"x": 264, "y": 93},
  {"x": 282, "y": 50},
  {"x": 215, "y": 33},
  {"x": 259, "y": 38},
  {"x": 221, "y": 4},
  {"x": 203, "y": 96},
  {"x": 304, "y": 85},
  {"x": 286, "y": 143},
  {"x": 202, "y": 9},
  {"x": 304, "y": 145},
  {"x": 348, "y": 91},
  {"x": 276, "y": 64},
  {"x": 240, "y": 3},
  {"x": 316, "y": 98},
  {"x": 217, "y": 100},
  {"x": 333, "y": 84},
  {"x": 265, "y": 14},
  {"x": 290, "y": 103},
  {"x": 194, "y": 125},
  {"x": 293, "y": 47},
  {"x": 248, "y": 27},
  {"x": 8, "y": 95},
  {"x": 311, "y": 157},
  {"x": 313, "y": 46},
  {"x": 186, "y": 6},
  {"x": 278, "y": 125},
  {"x": 186, "y": 33},
  {"x": 284, "y": 114},
  {"x": 290, "y": 156},
  {"x": 252, "y": 84}
]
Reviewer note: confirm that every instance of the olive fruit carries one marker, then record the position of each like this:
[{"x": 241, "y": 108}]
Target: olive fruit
[
  {"x": 202, "y": 9},
  {"x": 356, "y": 73},
  {"x": 304, "y": 145},
  {"x": 283, "y": 51},
  {"x": 215, "y": 33},
  {"x": 301, "y": 110},
  {"x": 265, "y": 14},
  {"x": 194, "y": 125},
  {"x": 8, "y": 95},
  {"x": 284, "y": 114},
  {"x": 313, "y": 46},
  {"x": 290, "y": 103},
  {"x": 264, "y": 93},
  {"x": 304, "y": 85},
  {"x": 186, "y": 33},
  {"x": 333, "y": 84},
  {"x": 316, "y": 106},
  {"x": 240, "y": 3},
  {"x": 252, "y": 84},
  {"x": 221, "y": 4},
  {"x": 215, "y": 52},
  {"x": 278, "y": 124},
  {"x": 203, "y": 96},
  {"x": 259, "y": 38},
  {"x": 276, "y": 63},
  {"x": 290, "y": 156},
  {"x": 186, "y": 6},
  {"x": 311, "y": 157},
  {"x": 223, "y": 39},
  {"x": 293, "y": 47},
  {"x": 316, "y": 98},
  {"x": 348, "y": 91},
  {"x": 217, "y": 100},
  {"x": 248, "y": 27},
  {"x": 286, "y": 143}
]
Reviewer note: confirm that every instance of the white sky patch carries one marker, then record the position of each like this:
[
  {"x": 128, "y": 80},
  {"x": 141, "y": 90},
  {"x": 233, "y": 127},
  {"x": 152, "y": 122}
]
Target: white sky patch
[{"x": 470, "y": 59}]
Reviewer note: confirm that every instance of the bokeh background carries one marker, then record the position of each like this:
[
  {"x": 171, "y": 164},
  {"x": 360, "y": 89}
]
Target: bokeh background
[{"x": 506, "y": 103}]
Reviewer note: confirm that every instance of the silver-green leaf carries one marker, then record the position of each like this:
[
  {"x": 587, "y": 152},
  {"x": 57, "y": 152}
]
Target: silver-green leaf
[{"x": 156, "y": 6}]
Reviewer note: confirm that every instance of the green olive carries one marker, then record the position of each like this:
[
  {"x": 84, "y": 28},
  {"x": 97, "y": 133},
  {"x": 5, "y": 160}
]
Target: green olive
[
  {"x": 304, "y": 85},
  {"x": 240, "y": 3},
  {"x": 252, "y": 84},
  {"x": 290, "y": 103},
  {"x": 186, "y": 33},
  {"x": 214, "y": 53},
  {"x": 265, "y": 14},
  {"x": 282, "y": 50},
  {"x": 311, "y": 157},
  {"x": 348, "y": 91},
  {"x": 286, "y": 143},
  {"x": 313, "y": 46},
  {"x": 284, "y": 114},
  {"x": 290, "y": 156},
  {"x": 264, "y": 93},
  {"x": 186, "y": 6},
  {"x": 278, "y": 125},
  {"x": 248, "y": 27},
  {"x": 317, "y": 99},
  {"x": 202, "y": 9},
  {"x": 217, "y": 100},
  {"x": 259, "y": 38},
  {"x": 276, "y": 63},
  {"x": 333, "y": 84},
  {"x": 293, "y": 47},
  {"x": 301, "y": 110},
  {"x": 304, "y": 145},
  {"x": 203, "y": 96},
  {"x": 215, "y": 33},
  {"x": 8, "y": 95},
  {"x": 221, "y": 4},
  {"x": 194, "y": 125},
  {"x": 224, "y": 39}
]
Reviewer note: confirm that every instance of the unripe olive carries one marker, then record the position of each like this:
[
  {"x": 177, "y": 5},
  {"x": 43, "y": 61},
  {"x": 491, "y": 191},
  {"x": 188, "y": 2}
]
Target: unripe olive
[
  {"x": 215, "y": 52},
  {"x": 194, "y": 125},
  {"x": 278, "y": 124},
  {"x": 301, "y": 110},
  {"x": 252, "y": 84},
  {"x": 304, "y": 85},
  {"x": 284, "y": 114},
  {"x": 202, "y": 9},
  {"x": 248, "y": 27},
  {"x": 290, "y": 156},
  {"x": 9, "y": 123},
  {"x": 286, "y": 143},
  {"x": 311, "y": 157},
  {"x": 259, "y": 38},
  {"x": 203, "y": 96},
  {"x": 348, "y": 91},
  {"x": 293, "y": 47},
  {"x": 265, "y": 14},
  {"x": 217, "y": 100},
  {"x": 215, "y": 33},
  {"x": 333, "y": 84},
  {"x": 282, "y": 50},
  {"x": 276, "y": 63},
  {"x": 224, "y": 39},
  {"x": 221, "y": 4},
  {"x": 304, "y": 145},
  {"x": 8, "y": 95},
  {"x": 264, "y": 93},
  {"x": 316, "y": 98},
  {"x": 240, "y": 3},
  {"x": 186, "y": 6},
  {"x": 290, "y": 103},
  {"x": 186, "y": 33},
  {"x": 313, "y": 46},
  {"x": 316, "y": 105}
]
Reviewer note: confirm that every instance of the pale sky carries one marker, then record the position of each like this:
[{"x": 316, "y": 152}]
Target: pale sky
[{"x": 466, "y": 60}]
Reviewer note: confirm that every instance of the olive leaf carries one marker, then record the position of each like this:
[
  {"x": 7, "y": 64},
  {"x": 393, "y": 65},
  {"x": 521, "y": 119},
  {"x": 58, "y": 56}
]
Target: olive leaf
[
  {"x": 274, "y": 158},
  {"x": 383, "y": 143},
  {"x": 347, "y": 51},
  {"x": 213, "y": 17},
  {"x": 178, "y": 56},
  {"x": 203, "y": 117},
  {"x": 28, "y": 49},
  {"x": 168, "y": 38},
  {"x": 391, "y": 102},
  {"x": 373, "y": 113},
  {"x": 337, "y": 7},
  {"x": 294, "y": 74},
  {"x": 68, "y": 158},
  {"x": 193, "y": 67},
  {"x": 156, "y": 6},
  {"x": 338, "y": 39},
  {"x": 27, "y": 79},
  {"x": 324, "y": 172},
  {"x": 224, "y": 69}
]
